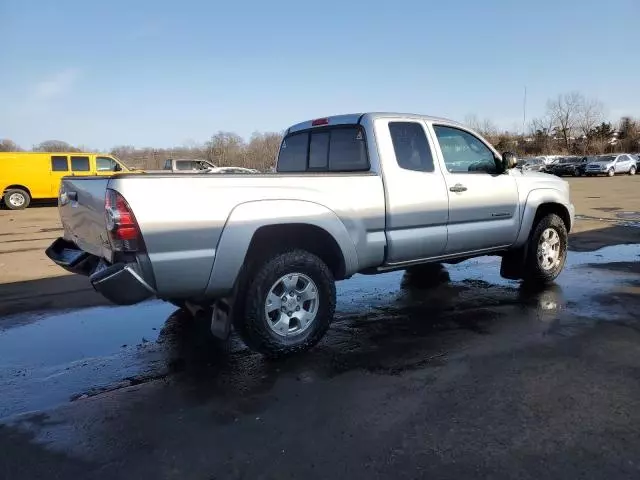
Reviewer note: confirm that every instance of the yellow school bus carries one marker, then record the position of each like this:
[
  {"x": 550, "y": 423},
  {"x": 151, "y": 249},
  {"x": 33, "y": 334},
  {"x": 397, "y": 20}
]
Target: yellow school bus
[{"x": 26, "y": 176}]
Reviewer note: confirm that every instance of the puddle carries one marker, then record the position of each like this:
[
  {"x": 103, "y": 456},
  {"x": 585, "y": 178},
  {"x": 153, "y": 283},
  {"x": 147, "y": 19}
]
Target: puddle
[
  {"x": 629, "y": 215},
  {"x": 384, "y": 323},
  {"x": 72, "y": 336},
  {"x": 48, "y": 358},
  {"x": 622, "y": 220}
]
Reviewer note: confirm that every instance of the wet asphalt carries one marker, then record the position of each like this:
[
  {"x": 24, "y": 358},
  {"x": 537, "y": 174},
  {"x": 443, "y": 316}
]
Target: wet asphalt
[{"x": 455, "y": 374}]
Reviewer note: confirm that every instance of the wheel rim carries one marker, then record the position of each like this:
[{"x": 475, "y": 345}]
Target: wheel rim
[
  {"x": 16, "y": 199},
  {"x": 291, "y": 305},
  {"x": 611, "y": 172},
  {"x": 549, "y": 249},
  {"x": 632, "y": 171}
]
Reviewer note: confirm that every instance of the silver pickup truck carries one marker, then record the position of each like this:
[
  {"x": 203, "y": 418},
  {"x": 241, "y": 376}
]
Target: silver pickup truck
[{"x": 363, "y": 193}]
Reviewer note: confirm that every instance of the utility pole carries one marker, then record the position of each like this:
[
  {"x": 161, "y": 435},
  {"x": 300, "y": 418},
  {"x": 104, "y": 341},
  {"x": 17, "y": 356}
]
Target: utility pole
[{"x": 524, "y": 112}]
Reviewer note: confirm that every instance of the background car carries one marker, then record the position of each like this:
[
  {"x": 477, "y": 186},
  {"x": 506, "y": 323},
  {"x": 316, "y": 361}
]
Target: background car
[
  {"x": 574, "y": 166},
  {"x": 533, "y": 164},
  {"x": 612, "y": 164}
]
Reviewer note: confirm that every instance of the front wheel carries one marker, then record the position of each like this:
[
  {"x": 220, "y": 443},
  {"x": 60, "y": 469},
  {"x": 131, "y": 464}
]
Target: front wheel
[
  {"x": 16, "y": 199},
  {"x": 547, "y": 250},
  {"x": 632, "y": 170},
  {"x": 289, "y": 304},
  {"x": 611, "y": 172}
]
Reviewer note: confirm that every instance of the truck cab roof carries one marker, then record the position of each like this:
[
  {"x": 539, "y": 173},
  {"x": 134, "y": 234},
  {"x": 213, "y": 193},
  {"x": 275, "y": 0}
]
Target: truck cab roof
[{"x": 354, "y": 118}]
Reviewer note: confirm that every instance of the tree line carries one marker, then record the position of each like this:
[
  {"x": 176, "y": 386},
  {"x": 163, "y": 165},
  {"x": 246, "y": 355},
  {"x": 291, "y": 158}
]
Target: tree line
[
  {"x": 223, "y": 149},
  {"x": 571, "y": 124}
]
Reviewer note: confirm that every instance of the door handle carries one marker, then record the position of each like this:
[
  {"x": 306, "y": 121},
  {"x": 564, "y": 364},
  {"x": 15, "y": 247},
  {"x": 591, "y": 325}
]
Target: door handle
[{"x": 458, "y": 187}]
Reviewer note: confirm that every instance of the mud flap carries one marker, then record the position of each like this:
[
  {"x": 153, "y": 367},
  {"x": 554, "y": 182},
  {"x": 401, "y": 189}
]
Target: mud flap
[
  {"x": 514, "y": 263},
  {"x": 221, "y": 320},
  {"x": 216, "y": 317}
]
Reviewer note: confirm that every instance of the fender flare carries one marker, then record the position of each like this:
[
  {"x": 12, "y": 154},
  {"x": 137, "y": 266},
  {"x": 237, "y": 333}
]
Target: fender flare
[
  {"x": 535, "y": 198},
  {"x": 246, "y": 218}
]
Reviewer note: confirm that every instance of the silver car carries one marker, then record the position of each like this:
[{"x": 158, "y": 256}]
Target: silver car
[{"x": 611, "y": 165}]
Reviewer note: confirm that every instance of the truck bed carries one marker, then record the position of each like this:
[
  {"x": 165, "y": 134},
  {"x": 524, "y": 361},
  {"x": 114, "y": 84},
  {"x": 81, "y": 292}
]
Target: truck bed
[{"x": 182, "y": 216}]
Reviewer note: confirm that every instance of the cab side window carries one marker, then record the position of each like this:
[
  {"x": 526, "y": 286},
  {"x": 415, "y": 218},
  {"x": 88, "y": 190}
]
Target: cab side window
[
  {"x": 59, "y": 163},
  {"x": 463, "y": 152},
  {"x": 80, "y": 164}
]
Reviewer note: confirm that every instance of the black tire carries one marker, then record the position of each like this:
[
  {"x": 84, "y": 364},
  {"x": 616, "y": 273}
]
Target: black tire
[
  {"x": 534, "y": 273},
  {"x": 251, "y": 324},
  {"x": 611, "y": 172},
  {"x": 632, "y": 170},
  {"x": 12, "y": 193},
  {"x": 577, "y": 173}
]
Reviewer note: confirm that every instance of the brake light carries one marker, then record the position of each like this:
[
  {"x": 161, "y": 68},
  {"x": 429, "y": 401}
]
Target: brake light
[
  {"x": 319, "y": 121},
  {"x": 124, "y": 233}
]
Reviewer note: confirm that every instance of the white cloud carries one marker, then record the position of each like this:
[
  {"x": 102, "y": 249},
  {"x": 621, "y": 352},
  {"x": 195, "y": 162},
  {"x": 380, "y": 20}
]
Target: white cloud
[{"x": 57, "y": 85}]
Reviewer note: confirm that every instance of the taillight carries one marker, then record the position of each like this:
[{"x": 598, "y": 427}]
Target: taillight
[{"x": 124, "y": 233}]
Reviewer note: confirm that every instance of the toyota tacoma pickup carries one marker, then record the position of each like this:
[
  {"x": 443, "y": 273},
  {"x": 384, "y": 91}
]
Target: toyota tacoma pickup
[{"x": 352, "y": 194}]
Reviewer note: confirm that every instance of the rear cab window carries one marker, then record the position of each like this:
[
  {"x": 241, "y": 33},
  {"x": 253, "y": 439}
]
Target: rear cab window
[{"x": 340, "y": 148}]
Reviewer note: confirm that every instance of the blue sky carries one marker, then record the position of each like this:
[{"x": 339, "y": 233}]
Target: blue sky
[{"x": 164, "y": 73}]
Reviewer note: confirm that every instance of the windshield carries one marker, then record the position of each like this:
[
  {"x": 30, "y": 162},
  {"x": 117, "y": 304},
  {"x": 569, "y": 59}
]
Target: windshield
[
  {"x": 607, "y": 158},
  {"x": 122, "y": 164}
]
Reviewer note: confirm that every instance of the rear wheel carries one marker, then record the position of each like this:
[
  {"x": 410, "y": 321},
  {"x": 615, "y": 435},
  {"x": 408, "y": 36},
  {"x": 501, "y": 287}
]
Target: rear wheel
[
  {"x": 16, "y": 199},
  {"x": 290, "y": 302},
  {"x": 632, "y": 170},
  {"x": 547, "y": 250}
]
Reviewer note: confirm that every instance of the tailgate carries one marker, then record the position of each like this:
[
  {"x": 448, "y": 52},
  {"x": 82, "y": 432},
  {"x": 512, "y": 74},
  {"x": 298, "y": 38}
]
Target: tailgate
[{"x": 81, "y": 205}]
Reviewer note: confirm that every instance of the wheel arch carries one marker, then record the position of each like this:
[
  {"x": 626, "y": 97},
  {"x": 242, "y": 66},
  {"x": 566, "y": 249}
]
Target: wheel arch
[
  {"x": 16, "y": 187},
  {"x": 542, "y": 202},
  {"x": 249, "y": 234}
]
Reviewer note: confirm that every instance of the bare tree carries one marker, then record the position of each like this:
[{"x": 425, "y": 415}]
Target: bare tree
[
  {"x": 226, "y": 149},
  {"x": 590, "y": 115},
  {"x": 262, "y": 150},
  {"x": 485, "y": 126},
  {"x": 8, "y": 145},
  {"x": 54, "y": 146},
  {"x": 565, "y": 111}
]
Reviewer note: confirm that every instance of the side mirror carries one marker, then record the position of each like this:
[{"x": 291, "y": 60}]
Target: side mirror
[{"x": 509, "y": 160}]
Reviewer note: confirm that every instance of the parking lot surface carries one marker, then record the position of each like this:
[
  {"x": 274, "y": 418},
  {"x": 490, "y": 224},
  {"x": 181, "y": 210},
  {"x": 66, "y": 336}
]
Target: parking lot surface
[{"x": 460, "y": 374}]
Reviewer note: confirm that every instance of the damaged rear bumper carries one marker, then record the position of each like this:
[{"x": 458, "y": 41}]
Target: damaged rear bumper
[{"x": 119, "y": 283}]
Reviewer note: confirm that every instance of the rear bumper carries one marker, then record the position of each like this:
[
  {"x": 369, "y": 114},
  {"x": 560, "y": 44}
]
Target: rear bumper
[{"x": 119, "y": 283}]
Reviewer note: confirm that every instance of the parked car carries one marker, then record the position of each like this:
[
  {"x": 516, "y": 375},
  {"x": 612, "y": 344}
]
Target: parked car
[
  {"x": 574, "y": 166},
  {"x": 199, "y": 166},
  {"x": 549, "y": 159},
  {"x": 26, "y": 176},
  {"x": 362, "y": 193},
  {"x": 612, "y": 164},
  {"x": 533, "y": 165},
  {"x": 234, "y": 170}
]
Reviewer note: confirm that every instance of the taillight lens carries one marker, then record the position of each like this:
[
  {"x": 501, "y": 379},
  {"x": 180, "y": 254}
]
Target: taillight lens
[{"x": 124, "y": 233}]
